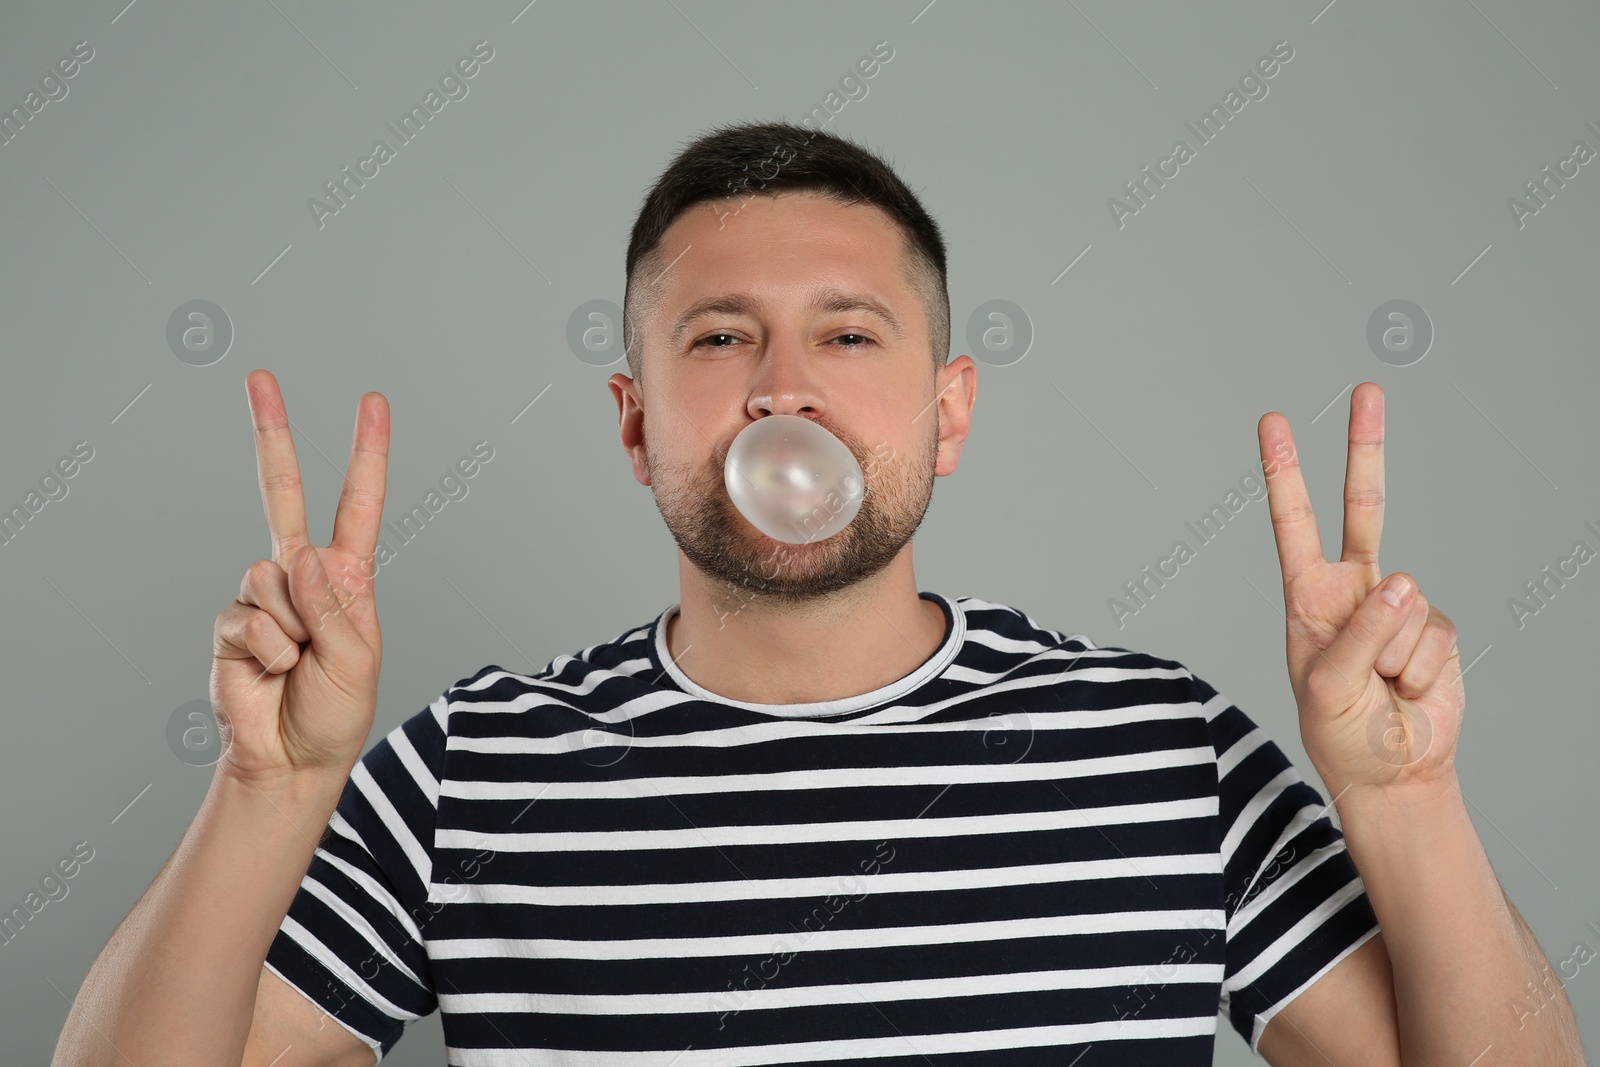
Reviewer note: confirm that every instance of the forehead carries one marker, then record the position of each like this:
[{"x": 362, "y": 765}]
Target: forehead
[{"x": 787, "y": 247}]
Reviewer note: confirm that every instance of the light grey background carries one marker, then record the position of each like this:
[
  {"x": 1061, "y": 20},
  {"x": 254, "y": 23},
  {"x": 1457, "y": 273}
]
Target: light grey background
[{"x": 1378, "y": 167}]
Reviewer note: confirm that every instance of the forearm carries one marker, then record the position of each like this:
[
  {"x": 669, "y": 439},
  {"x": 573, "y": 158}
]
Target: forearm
[
  {"x": 176, "y": 983},
  {"x": 1468, "y": 973}
]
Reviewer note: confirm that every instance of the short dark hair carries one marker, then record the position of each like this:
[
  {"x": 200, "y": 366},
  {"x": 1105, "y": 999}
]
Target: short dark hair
[{"x": 739, "y": 160}]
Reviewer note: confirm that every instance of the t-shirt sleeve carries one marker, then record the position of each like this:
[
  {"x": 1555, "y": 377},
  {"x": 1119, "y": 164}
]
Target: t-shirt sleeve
[
  {"x": 353, "y": 940},
  {"x": 1295, "y": 903}
]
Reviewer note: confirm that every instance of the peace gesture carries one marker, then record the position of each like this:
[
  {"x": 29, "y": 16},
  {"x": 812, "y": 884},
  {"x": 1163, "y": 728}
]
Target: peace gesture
[
  {"x": 1378, "y": 684},
  {"x": 295, "y": 678}
]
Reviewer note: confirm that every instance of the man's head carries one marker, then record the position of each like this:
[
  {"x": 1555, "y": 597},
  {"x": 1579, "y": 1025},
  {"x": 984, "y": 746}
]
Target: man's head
[
  {"x": 777, "y": 270},
  {"x": 723, "y": 169}
]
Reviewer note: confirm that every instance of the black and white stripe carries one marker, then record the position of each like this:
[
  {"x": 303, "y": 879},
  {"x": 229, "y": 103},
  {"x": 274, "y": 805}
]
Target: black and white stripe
[{"x": 1029, "y": 847}]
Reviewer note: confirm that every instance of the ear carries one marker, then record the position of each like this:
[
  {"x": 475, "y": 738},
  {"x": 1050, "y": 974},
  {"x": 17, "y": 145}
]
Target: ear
[
  {"x": 957, "y": 383},
  {"x": 630, "y": 419}
]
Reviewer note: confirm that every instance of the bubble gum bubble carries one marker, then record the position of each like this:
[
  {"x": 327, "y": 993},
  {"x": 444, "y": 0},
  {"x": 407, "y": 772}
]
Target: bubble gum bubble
[{"x": 792, "y": 479}]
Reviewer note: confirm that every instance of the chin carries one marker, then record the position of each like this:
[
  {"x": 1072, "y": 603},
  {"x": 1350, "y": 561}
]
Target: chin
[{"x": 774, "y": 544}]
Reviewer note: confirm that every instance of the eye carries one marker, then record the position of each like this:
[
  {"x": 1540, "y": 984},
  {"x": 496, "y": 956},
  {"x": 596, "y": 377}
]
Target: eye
[
  {"x": 705, "y": 340},
  {"x": 852, "y": 340}
]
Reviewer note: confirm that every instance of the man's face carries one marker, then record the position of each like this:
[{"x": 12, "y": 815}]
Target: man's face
[{"x": 776, "y": 348}]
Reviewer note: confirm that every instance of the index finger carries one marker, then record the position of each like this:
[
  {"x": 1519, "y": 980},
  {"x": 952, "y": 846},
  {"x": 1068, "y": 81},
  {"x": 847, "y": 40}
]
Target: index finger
[
  {"x": 277, "y": 469},
  {"x": 1294, "y": 526}
]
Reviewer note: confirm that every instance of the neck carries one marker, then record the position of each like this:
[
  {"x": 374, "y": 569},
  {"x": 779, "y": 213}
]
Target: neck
[{"x": 760, "y": 651}]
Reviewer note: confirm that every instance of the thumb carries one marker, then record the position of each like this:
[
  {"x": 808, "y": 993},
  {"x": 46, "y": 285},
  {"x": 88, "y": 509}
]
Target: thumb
[
  {"x": 333, "y": 634},
  {"x": 1354, "y": 653}
]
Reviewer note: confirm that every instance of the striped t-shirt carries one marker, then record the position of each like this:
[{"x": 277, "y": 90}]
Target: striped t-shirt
[{"x": 1031, "y": 849}]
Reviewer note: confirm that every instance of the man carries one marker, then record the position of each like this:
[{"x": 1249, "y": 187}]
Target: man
[{"x": 810, "y": 814}]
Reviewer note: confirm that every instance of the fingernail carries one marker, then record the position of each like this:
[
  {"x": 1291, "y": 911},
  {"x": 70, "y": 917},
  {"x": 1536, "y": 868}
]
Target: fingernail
[{"x": 1395, "y": 591}]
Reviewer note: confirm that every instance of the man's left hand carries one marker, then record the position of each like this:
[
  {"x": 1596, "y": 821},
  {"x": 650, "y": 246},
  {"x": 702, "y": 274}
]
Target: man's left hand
[{"x": 1378, "y": 685}]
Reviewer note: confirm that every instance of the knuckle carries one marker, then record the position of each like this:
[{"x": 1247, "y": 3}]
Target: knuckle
[
  {"x": 362, "y": 497},
  {"x": 231, "y": 619},
  {"x": 1366, "y": 498},
  {"x": 258, "y": 575},
  {"x": 286, "y": 546},
  {"x": 261, "y": 629},
  {"x": 1291, "y": 513},
  {"x": 277, "y": 482},
  {"x": 225, "y": 628},
  {"x": 1282, "y": 456},
  {"x": 1319, "y": 683}
]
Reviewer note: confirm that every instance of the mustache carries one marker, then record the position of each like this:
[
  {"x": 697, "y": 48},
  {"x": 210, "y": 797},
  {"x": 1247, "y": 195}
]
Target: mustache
[{"x": 862, "y": 454}]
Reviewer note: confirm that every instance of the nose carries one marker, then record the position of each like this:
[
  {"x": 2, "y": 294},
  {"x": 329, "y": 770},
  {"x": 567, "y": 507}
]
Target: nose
[{"x": 785, "y": 383}]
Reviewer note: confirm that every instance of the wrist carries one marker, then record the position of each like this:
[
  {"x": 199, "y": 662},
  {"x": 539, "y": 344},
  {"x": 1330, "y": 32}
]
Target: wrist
[
  {"x": 1396, "y": 823},
  {"x": 289, "y": 790},
  {"x": 1399, "y": 798}
]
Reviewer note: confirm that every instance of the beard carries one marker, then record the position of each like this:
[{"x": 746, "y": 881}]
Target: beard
[{"x": 725, "y": 547}]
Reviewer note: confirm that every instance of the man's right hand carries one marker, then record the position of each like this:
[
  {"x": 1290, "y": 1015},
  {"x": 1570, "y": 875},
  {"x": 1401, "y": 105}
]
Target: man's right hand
[{"x": 295, "y": 680}]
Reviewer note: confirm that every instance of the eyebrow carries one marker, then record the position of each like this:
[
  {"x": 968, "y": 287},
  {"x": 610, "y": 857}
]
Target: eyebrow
[{"x": 823, "y": 298}]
